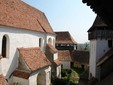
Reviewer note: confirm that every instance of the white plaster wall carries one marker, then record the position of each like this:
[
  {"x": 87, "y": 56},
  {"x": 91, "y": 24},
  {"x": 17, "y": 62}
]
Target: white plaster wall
[
  {"x": 58, "y": 71},
  {"x": 97, "y": 49},
  {"x": 55, "y": 56},
  {"x": 33, "y": 77},
  {"x": 17, "y": 38},
  {"x": 53, "y": 37},
  {"x": 22, "y": 65},
  {"x": 92, "y": 62},
  {"x": 66, "y": 64},
  {"x": 20, "y": 81},
  {"x": 102, "y": 47}
]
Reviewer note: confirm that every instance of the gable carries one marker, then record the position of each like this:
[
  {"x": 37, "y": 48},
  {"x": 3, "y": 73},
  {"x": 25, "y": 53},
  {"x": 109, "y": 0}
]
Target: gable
[
  {"x": 34, "y": 58},
  {"x": 22, "y": 65}
]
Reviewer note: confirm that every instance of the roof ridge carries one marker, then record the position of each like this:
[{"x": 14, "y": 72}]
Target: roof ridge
[{"x": 17, "y": 14}]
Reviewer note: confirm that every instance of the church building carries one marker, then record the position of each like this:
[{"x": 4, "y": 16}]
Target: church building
[{"x": 25, "y": 35}]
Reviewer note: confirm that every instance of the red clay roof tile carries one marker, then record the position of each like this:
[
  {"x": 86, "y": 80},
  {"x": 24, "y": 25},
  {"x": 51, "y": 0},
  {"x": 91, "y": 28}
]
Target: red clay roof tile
[
  {"x": 64, "y": 55},
  {"x": 21, "y": 74},
  {"x": 34, "y": 58},
  {"x": 17, "y": 14},
  {"x": 64, "y": 38},
  {"x": 2, "y": 80},
  {"x": 80, "y": 56},
  {"x": 75, "y": 56}
]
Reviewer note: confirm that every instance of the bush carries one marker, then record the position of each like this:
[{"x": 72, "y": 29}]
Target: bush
[
  {"x": 74, "y": 78},
  {"x": 60, "y": 82},
  {"x": 65, "y": 72}
]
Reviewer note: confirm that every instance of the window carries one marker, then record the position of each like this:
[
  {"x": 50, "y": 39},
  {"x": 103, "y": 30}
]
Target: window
[
  {"x": 4, "y": 46},
  {"x": 109, "y": 43},
  {"x": 40, "y": 42},
  {"x": 50, "y": 41}
]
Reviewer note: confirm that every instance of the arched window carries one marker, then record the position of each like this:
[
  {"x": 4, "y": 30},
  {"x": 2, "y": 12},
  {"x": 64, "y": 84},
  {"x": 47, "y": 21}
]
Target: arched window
[
  {"x": 40, "y": 43},
  {"x": 50, "y": 41},
  {"x": 41, "y": 78},
  {"x": 4, "y": 46}
]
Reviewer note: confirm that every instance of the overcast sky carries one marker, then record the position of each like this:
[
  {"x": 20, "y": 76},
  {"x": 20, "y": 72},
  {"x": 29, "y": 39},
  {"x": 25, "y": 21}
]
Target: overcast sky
[{"x": 67, "y": 15}]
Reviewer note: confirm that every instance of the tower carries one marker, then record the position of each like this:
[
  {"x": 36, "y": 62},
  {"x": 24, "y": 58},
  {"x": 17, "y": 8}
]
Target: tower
[{"x": 101, "y": 40}]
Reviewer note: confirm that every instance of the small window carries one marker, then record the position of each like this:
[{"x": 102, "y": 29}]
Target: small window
[
  {"x": 4, "y": 40},
  {"x": 109, "y": 43},
  {"x": 62, "y": 44},
  {"x": 68, "y": 45},
  {"x": 5, "y": 46},
  {"x": 40, "y": 42}
]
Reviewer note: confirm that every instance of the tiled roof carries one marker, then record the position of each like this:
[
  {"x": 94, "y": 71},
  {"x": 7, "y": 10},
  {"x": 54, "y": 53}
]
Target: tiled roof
[
  {"x": 34, "y": 58},
  {"x": 17, "y": 14},
  {"x": 52, "y": 48},
  {"x": 64, "y": 38},
  {"x": 64, "y": 55},
  {"x": 21, "y": 74},
  {"x": 105, "y": 57},
  {"x": 57, "y": 62},
  {"x": 98, "y": 23},
  {"x": 75, "y": 56},
  {"x": 80, "y": 56},
  {"x": 2, "y": 80}
]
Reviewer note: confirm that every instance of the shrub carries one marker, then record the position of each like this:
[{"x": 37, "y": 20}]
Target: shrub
[{"x": 74, "y": 78}]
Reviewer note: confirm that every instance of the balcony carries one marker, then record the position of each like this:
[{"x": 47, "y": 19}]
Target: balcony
[{"x": 102, "y": 34}]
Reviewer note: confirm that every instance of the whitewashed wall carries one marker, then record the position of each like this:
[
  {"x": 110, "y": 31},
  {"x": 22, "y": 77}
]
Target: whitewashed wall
[
  {"x": 55, "y": 56},
  {"x": 20, "y": 81},
  {"x": 92, "y": 62},
  {"x": 58, "y": 71},
  {"x": 98, "y": 48},
  {"x": 17, "y": 38},
  {"x": 66, "y": 64},
  {"x": 33, "y": 77},
  {"x": 102, "y": 48}
]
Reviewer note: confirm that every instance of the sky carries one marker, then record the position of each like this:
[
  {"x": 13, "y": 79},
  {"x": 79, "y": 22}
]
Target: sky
[{"x": 67, "y": 15}]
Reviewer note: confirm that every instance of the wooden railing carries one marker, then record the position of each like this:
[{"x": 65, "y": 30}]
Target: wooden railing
[{"x": 102, "y": 34}]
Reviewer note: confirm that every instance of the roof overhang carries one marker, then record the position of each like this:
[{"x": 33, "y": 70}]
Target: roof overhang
[{"x": 103, "y": 8}]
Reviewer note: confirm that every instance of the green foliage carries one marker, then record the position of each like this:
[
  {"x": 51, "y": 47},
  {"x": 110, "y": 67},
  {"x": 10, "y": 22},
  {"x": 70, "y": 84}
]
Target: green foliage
[
  {"x": 65, "y": 72},
  {"x": 78, "y": 70},
  {"x": 68, "y": 76},
  {"x": 60, "y": 82},
  {"x": 74, "y": 78}
]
